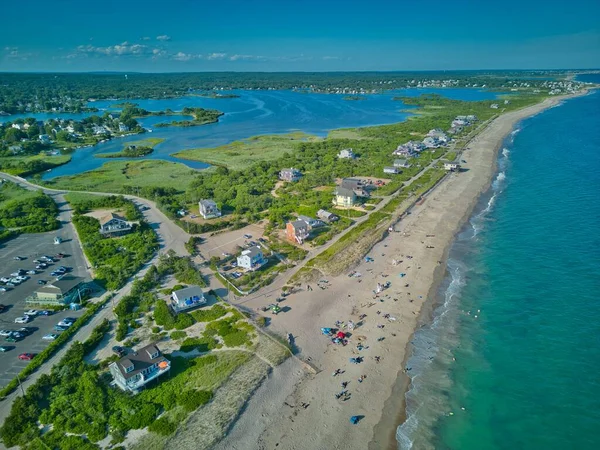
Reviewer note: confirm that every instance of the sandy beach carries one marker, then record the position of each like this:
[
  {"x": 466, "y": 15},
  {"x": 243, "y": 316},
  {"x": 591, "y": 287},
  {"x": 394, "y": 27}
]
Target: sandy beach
[{"x": 412, "y": 259}]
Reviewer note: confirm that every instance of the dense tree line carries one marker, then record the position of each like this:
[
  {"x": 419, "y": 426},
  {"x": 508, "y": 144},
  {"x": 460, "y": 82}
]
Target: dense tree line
[{"x": 30, "y": 215}]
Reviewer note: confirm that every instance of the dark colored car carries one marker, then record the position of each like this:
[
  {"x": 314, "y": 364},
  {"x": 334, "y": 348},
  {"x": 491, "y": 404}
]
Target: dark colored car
[
  {"x": 2, "y": 308},
  {"x": 4, "y": 349},
  {"x": 41, "y": 281},
  {"x": 26, "y": 356},
  {"x": 45, "y": 312},
  {"x": 117, "y": 350}
]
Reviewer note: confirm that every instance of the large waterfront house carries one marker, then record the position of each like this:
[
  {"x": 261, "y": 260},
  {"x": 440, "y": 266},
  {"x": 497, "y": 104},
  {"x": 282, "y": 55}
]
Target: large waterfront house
[
  {"x": 251, "y": 259},
  {"x": 344, "y": 197},
  {"x": 137, "y": 369},
  {"x": 209, "y": 209},
  {"x": 290, "y": 174},
  {"x": 114, "y": 225},
  {"x": 187, "y": 298},
  {"x": 346, "y": 153},
  {"x": 67, "y": 289},
  {"x": 357, "y": 185},
  {"x": 411, "y": 148},
  {"x": 297, "y": 231}
]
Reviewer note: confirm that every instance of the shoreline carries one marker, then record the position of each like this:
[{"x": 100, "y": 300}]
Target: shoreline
[
  {"x": 419, "y": 249},
  {"x": 394, "y": 412}
]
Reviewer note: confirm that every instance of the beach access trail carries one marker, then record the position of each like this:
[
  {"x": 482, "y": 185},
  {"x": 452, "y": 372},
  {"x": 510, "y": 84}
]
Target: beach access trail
[{"x": 275, "y": 417}]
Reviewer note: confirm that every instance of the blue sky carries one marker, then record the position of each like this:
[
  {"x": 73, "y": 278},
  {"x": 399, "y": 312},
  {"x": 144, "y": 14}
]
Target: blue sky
[{"x": 293, "y": 35}]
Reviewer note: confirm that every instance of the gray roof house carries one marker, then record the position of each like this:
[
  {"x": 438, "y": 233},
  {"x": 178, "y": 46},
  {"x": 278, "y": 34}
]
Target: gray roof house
[
  {"x": 187, "y": 298},
  {"x": 137, "y": 369},
  {"x": 114, "y": 225},
  {"x": 391, "y": 170},
  {"x": 251, "y": 259},
  {"x": 208, "y": 209},
  {"x": 290, "y": 174}
]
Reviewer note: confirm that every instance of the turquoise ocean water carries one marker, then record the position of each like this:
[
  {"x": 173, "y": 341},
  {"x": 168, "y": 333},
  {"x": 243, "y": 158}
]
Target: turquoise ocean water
[{"x": 516, "y": 338}]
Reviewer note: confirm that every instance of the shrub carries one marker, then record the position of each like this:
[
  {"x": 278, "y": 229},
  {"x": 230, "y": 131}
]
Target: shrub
[
  {"x": 208, "y": 315},
  {"x": 261, "y": 321},
  {"x": 178, "y": 335},
  {"x": 156, "y": 330},
  {"x": 162, "y": 426},
  {"x": 192, "y": 400}
]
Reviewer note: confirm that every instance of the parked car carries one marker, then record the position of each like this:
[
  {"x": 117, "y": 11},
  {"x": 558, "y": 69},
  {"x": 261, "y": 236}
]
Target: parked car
[
  {"x": 247, "y": 236},
  {"x": 59, "y": 328},
  {"x": 31, "y": 312},
  {"x": 5, "y": 279},
  {"x": 15, "y": 274},
  {"x": 25, "y": 331},
  {"x": 10, "y": 285},
  {"x": 117, "y": 350},
  {"x": 41, "y": 281},
  {"x": 4, "y": 349},
  {"x": 18, "y": 335},
  {"x": 3, "y": 289},
  {"x": 60, "y": 255},
  {"x": 31, "y": 272},
  {"x": 26, "y": 356},
  {"x": 11, "y": 338},
  {"x": 2, "y": 307},
  {"x": 70, "y": 320},
  {"x": 41, "y": 266},
  {"x": 23, "y": 319},
  {"x": 18, "y": 258},
  {"x": 45, "y": 312},
  {"x": 5, "y": 333},
  {"x": 50, "y": 337},
  {"x": 64, "y": 324}
]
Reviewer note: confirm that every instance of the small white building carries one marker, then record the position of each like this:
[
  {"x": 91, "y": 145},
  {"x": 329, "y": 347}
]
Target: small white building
[
  {"x": 393, "y": 170},
  {"x": 451, "y": 166},
  {"x": 123, "y": 127},
  {"x": 346, "y": 153},
  {"x": 209, "y": 209},
  {"x": 494, "y": 106},
  {"x": 187, "y": 298},
  {"x": 251, "y": 259}
]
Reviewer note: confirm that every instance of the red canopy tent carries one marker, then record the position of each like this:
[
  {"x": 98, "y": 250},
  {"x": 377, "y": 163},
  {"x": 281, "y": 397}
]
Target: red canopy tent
[{"x": 340, "y": 335}]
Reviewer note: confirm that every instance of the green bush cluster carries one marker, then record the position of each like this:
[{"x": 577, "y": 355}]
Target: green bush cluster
[
  {"x": 164, "y": 317},
  {"x": 83, "y": 203},
  {"x": 32, "y": 214},
  {"x": 208, "y": 315}
]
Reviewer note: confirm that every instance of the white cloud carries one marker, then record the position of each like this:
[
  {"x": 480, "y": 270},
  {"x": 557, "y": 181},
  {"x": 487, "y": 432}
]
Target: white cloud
[
  {"x": 122, "y": 49},
  {"x": 145, "y": 38},
  {"x": 163, "y": 37},
  {"x": 15, "y": 53},
  {"x": 181, "y": 56},
  {"x": 212, "y": 56}
]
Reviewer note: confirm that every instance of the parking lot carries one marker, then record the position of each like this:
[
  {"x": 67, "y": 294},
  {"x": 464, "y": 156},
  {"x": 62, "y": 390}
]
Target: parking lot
[
  {"x": 226, "y": 242},
  {"x": 30, "y": 247}
]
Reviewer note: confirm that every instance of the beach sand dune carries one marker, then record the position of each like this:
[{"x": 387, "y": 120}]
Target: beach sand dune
[{"x": 275, "y": 418}]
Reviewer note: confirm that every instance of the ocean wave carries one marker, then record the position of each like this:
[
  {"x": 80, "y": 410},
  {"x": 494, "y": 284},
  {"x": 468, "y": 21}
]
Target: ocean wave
[
  {"x": 429, "y": 364},
  {"x": 505, "y": 152}
]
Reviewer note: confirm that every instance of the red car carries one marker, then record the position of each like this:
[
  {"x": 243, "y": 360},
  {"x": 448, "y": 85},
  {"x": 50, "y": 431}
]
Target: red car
[{"x": 26, "y": 356}]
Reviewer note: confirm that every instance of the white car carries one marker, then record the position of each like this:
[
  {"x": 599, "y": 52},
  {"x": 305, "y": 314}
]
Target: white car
[
  {"x": 5, "y": 333},
  {"x": 15, "y": 280},
  {"x": 10, "y": 284},
  {"x": 15, "y": 274},
  {"x": 31, "y": 312},
  {"x": 23, "y": 319},
  {"x": 23, "y": 278},
  {"x": 62, "y": 323},
  {"x": 31, "y": 272},
  {"x": 41, "y": 266},
  {"x": 2, "y": 289},
  {"x": 5, "y": 279},
  {"x": 50, "y": 337}
]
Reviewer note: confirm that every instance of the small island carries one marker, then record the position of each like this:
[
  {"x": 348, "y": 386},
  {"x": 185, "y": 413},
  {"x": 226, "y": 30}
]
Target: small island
[
  {"x": 200, "y": 116},
  {"x": 354, "y": 97},
  {"x": 136, "y": 149},
  {"x": 213, "y": 94}
]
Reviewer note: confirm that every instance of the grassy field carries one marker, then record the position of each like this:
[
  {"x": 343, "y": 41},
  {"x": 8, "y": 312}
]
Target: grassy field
[
  {"x": 25, "y": 165},
  {"x": 125, "y": 177},
  {"x": 11, "y": 191},
  {"x": 242, "y": 154}
]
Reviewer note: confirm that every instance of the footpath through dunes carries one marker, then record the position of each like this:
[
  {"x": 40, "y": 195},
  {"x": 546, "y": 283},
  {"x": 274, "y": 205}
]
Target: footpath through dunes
[{"x": 412, "y": 260}]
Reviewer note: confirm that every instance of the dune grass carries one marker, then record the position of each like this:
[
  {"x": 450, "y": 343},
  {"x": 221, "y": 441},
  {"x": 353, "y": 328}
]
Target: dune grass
[{"x": 241, "y": 154}]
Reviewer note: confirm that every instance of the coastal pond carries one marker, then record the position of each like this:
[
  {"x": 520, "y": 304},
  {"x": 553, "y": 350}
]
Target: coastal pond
[{"x": 252, "y": 113}]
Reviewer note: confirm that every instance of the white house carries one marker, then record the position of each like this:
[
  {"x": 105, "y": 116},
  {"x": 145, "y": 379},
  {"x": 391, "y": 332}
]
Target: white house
[
  {"x": 344, "y": 197},
  {"x": 187, "y": 298},
  {"x": 393, "y": 170},
  {"x": 208, "y": 209},
  {"x": 123, "y": 127},
  {"x": 251, "y": 259},
  {"x": 346, "y": 153}
]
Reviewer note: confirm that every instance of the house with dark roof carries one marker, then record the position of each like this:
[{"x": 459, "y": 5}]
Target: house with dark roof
[
  {"x": 290, "y": 174},
  {"x": 114, "y": 225},
  {"x": 137, "y": 369},
  {"x": 62, "y": 291}
]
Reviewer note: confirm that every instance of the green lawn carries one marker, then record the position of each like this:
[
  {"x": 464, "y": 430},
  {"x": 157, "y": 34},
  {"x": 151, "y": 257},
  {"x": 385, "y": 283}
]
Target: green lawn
[
  {"x": 244, "y": 153},
  {"x": 12, "y": 191},
  {"x": 125, "y": 177}
]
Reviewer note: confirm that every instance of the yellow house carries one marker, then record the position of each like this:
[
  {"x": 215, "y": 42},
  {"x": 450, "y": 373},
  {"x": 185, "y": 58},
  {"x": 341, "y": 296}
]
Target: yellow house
[{"x": 344, "y": 197}]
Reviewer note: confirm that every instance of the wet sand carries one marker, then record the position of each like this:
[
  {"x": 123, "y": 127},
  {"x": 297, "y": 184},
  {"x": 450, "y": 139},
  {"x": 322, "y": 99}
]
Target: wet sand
[{"x": 418, "y": 248}]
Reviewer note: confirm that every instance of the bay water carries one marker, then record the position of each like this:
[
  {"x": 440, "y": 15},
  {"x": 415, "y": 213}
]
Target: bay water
[{"x": 511, "y": 359}]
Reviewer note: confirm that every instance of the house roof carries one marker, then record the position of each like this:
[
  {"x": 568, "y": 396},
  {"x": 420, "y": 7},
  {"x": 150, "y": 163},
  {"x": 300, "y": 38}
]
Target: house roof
[
  {"x": 252, "y": 252},
  {"x": 110, "y": 216},
  {"x": 62, "y": 285},
  {"x": 299, "y": 224},
  {"x": 191, "y": 291},
  {"x": 400, "y": 161},
  {"x": 393, "y": 169},
  {"x": 140, "y": 360},
  {"x": 323, "y": 213},
  {"x": 345, "y": 192},
  {"x": 208, "y": 203},
  {"x": 351, "y": 183}
]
